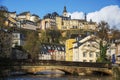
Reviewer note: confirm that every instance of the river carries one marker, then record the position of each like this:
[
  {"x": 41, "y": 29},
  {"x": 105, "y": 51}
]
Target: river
[{"x": 57, "y": 77}]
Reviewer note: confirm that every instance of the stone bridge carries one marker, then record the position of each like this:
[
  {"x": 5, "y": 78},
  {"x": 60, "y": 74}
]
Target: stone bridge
[{"x": 80, "y": 68}]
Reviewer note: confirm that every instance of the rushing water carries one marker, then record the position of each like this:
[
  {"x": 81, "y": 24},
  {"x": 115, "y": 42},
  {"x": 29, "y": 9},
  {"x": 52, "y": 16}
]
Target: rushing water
[{"x": 57, "y": 77}]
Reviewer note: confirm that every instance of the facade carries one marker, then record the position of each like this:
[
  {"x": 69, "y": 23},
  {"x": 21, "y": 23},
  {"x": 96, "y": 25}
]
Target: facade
[
  {"x": 64, "y": 22},
  {"x": 86, "y": 49},
  {"x": 69, "y": 50},
  {"x": 12, "y": 14},
  {"x": 117, "y": 51},
  {"x": 52, "y": 52},
  {"x": 5, "y": 43},
  {"x": 34, "y": 18},
  {"x": 28, "y": 16},
  {"x": 17, "y": 39},
  {"x": 23, "y": 20},
  {"x": 26, "y": 24},
  {"x": 28, "y": 21},
  {"x": 24, "y": 16},
  {"x": 111, "y": 50}
]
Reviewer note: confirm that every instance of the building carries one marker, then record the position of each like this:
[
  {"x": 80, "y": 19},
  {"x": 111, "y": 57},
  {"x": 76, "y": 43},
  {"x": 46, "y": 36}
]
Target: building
[
  {"x": 117, "y": 53},
  {"x": 28, "y": 21},
  {"x": 111, "y": 50},
  {"x": 69, "y": 50},
  {"x": 28, "y": 16},
  {"x": 34, "y": 18},
  {"x": 64, "y": 22},
  {"x": 86, "y": 49},
  {"x": 5, "y": 43},
  {"x": 12, "y": 14},
  {"x": 18, "y": 39},
  {"x": 27, "y": 24},
  {"x": 24, "y": 16},
  {"x": 52, "y": 52}
]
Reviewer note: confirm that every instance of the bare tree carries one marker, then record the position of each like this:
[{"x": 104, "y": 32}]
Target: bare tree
[
  {"x": 3, "y": 16},
  {"x": 103, "y": 34}
]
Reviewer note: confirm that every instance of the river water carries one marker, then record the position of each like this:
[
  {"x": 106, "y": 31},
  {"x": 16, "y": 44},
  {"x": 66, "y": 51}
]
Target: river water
[{"x": 56, "y": 77}]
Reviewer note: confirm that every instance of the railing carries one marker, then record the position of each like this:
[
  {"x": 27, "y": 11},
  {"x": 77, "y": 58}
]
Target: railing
[{"x": 56, "y": 63}]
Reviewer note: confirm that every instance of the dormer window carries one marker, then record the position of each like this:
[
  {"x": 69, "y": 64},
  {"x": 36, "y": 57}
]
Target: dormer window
[
  {"x": 58, "y": 48},
  {"x": 49, "y": 47},
  {"x": 44, "y": 47}
]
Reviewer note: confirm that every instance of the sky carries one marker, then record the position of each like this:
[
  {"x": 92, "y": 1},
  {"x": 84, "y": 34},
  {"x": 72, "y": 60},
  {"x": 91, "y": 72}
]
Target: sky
[{"x": 97, "y": 10}]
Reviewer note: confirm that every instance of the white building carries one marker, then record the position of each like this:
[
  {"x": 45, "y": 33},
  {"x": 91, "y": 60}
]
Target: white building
[
  {"x": 26, "y": 24},
  {"x": 111, "y": 50},
  {"x": 12, "y": 14},
  {"x": 118, "y": 51},
  {"x": 28, "y": 16},
  {"x": 17, "y": 39},
  {"x": 34, "y": 18},
  {"x": 86, "y": 49},
  {"x": 52, "y": 52}
]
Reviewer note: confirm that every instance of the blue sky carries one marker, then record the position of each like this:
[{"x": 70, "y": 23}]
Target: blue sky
[
  {"x": 41, "y": 7},
  {"x": 97, "y": 10}
]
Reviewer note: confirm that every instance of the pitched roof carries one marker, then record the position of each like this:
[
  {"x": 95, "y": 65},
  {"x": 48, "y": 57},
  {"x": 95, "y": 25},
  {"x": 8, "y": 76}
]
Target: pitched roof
[
  {"x": 47, "y": 48},
  {"x": 24, "y": 13}
]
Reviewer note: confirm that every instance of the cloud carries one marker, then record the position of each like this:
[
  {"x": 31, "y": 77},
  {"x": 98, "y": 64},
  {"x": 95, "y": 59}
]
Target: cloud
[
  {"x": 110, "y": 14},
  {"x": 77, "y": 15}
]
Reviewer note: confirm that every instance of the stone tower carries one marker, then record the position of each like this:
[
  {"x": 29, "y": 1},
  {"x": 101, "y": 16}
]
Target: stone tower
[
  {"x": 85, "y": 17},
  {"x": 65, "y": 14}
]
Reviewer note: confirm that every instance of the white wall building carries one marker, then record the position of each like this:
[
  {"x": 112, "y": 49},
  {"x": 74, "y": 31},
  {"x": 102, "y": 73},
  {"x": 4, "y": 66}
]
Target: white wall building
[
  {"x": 52, "y": 52},
  {"x": 17, "y": 39},
  {"x": 86, "y": 50}
]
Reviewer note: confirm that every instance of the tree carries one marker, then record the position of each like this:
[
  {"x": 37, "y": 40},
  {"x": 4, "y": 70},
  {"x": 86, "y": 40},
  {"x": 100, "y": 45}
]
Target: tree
[
  {"x": 32, "y": 44},
  {"x": 54, "y": 35},
  {"x": 43, "y": 37},
  {"x": 104, "y": 40},
  {"x": 3, "y": 15},
  {"x": 115, "y": 33}
]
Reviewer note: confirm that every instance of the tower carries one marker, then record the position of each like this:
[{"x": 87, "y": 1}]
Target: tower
[
  {"x": 85, "y": 17},
  {"x": 65, "y": 14}
]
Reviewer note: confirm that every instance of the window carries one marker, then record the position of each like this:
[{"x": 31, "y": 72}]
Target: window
[
  {"x": 97, "y": 54},
  {"x": 91, "y": 60},
  {"x": 62, "y": 23},
  {"x": 84, "y": 60},
  {"x": 90, "y": 54},
  {"x": 84, "y": 54},
  {"x": 15, "y": 35}
]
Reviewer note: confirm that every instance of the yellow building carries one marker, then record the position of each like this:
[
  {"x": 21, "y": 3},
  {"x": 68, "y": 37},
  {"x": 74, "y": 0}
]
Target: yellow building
[
  {"x": 64, "y": 22},
  {"x": 69, "y": 50}
]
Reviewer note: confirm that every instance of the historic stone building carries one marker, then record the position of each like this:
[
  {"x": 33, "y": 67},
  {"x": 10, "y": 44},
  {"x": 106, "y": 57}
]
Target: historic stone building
[
  {"x": 23, "y": 20},
  {"x": 64, "y": 22},
  {"x": 86, "y": 49}
]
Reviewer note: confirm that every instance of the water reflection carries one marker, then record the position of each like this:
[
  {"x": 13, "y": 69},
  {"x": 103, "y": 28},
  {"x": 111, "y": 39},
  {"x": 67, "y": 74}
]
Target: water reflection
[
  {"x": 60, "y": 77},
  {"x": 56, "y": 75}
]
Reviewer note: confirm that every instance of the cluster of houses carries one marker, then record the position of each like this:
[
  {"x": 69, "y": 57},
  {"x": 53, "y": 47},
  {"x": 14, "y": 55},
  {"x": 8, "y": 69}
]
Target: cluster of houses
[
  {"x": 80, "y": 48},
  {"x": 50, "y": 21}
]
